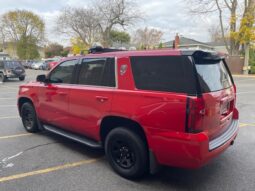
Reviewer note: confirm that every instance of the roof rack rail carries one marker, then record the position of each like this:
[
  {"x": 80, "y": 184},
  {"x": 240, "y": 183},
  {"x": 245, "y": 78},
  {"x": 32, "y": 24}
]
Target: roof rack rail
[{"x": 100, "y": 49}]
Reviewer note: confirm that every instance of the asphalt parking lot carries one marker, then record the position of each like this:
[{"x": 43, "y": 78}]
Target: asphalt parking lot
[{"x": 31, "y": 162}]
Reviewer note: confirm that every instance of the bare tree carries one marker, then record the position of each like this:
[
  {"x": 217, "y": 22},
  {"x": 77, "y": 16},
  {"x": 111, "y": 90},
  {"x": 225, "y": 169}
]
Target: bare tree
[
  {"x": 80, "y": 22},
  {"x": 115, "y": 13},
  {"x": 95, "y": 23},
  {"x": 2, "y": 38},
  {"x": 147, "y": 38},
  {"x": 215, "y": 33}
]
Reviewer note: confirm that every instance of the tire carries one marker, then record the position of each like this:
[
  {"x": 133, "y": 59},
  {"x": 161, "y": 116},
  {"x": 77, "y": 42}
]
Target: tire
[
  {"x": 22, "y": 78},
  {"x": 127, "y": 153},
  {"x": 29, "y": 118},
  {"x": 2, "y": 78}
]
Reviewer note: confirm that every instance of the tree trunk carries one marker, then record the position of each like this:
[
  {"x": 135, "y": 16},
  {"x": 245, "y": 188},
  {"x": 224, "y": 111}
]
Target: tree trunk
[
  {"x": 246, "y": 58},
  {"x": 234, "y": 46}
]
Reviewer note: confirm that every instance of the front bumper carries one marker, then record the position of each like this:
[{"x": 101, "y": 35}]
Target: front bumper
[{"x": 190, "y": 150}]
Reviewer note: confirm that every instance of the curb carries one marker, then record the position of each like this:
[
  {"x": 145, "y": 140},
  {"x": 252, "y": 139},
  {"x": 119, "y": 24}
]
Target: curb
[{"x": 243, "y": 76}]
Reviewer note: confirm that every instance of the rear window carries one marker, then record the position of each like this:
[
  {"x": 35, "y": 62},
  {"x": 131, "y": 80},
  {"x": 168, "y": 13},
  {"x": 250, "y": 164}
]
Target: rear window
[
  {"x": 164, "y": 73},
  {"x": 12, "y": 64},
  {"x": 213, "y": 76}
]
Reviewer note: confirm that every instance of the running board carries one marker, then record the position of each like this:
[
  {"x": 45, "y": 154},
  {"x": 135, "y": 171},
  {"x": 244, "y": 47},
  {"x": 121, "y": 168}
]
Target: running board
[{"x": 72, "y": 136}]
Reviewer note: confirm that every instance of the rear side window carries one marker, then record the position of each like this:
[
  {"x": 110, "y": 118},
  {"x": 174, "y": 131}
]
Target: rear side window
[
  {"x": 213, "y": 76},
  {"x": 97, "y": 71},
  {"x": 164, "y": 73},
  {"x": 1, "y": 65}
]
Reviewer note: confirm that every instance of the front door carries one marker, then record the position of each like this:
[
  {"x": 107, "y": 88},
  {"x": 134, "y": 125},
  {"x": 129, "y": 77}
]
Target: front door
[{"x": 54, "y": 95}]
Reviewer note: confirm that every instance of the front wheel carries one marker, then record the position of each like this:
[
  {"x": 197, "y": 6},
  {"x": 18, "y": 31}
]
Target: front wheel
[
  {"x": 127, "y": 153},
  {"x": 22, "y": 78},
  {"x": 29, "y": 118},
  {"x": 2, "y": 77}
]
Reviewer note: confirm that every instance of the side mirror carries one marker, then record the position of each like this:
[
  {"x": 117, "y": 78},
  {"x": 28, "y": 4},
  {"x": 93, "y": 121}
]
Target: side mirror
[{"x": 41, "y": 78}]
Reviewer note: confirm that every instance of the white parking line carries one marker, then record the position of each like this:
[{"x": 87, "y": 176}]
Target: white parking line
[
  {"x": 248, "y": 92},
  {"x": 8, "y": 106},
  {"x": 8, "y": 87},
  {"x": 8, "y": 92},
  {"x": 4, "y": 98},
  {"x": 9, "y": 117}
]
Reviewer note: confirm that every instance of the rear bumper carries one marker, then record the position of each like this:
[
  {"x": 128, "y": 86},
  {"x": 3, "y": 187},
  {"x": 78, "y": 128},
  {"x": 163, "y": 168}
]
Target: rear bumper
[
  {"x": 15, "y": 76},
  {"x": 190, "y": 150}
]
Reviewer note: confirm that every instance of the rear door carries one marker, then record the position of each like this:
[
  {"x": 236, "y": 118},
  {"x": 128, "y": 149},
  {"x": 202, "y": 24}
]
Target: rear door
[
  {"x": 90, "y": 99},
  {"x": 218, "y": 94},
  {"x": 54, "y": 95}
]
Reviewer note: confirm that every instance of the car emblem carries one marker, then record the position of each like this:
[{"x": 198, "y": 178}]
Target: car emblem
[{"x": 123, "y": 69}]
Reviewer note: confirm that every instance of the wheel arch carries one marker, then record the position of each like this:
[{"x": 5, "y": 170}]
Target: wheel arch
[
  {"x": 23, "y": 100},
  {"x": 110, "y": 122}
]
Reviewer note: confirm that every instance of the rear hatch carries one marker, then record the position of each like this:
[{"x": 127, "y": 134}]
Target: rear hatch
[
  {"x": 15, "y": 67},
  {"x": 217, "y": 95}
]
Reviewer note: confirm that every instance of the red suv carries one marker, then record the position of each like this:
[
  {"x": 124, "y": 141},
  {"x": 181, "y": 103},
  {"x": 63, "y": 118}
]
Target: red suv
[{"x": 145, "y": 108}]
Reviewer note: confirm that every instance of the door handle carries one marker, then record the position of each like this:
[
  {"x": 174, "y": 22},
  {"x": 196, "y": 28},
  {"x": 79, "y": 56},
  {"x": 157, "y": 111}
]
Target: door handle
[{"x": 101, "y": 98}]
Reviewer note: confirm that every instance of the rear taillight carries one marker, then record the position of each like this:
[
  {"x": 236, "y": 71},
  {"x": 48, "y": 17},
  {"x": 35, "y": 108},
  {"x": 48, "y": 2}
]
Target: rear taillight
[
  {"x": 235, "y": 111},
  {"x": 195, "y": 114}
]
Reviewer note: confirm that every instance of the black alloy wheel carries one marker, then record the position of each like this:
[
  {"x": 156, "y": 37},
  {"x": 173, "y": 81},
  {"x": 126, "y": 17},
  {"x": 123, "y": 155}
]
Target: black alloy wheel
[
  {"x": 127, "y": 152},
  {"x": 122, "y": 154},
  {"x": 2, "y": 78},
  {"x": 29, "y": 118}
]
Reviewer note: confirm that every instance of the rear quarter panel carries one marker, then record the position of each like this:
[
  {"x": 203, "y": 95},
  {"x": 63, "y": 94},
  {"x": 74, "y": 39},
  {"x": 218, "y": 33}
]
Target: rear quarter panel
[{"x": 155, "y": 111}]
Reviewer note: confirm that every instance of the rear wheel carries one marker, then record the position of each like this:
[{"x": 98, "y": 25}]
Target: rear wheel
[
  {"x": 22, "y": 78},
  {"x": 127, "y": 153},
  {"x": 29, "y": 118},
  {"x": 2, "y": 77}
]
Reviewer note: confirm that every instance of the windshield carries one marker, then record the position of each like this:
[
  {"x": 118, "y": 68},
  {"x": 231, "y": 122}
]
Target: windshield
[{"x": 213, "y": 76}]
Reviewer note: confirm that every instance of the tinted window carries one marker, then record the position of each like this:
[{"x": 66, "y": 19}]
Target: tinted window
[
  {"x": 1, "y": 65},
  {"x": 63, "y": 72},
  {"x": 213, "y": 76},
  {"x": 12, "y": 64},
  {"x": 97, "y": 71},
  {"x": 164, "y": 73}
]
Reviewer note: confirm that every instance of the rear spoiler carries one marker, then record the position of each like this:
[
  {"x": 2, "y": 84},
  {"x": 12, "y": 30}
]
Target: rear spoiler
[{"x": 202, "y": 57}]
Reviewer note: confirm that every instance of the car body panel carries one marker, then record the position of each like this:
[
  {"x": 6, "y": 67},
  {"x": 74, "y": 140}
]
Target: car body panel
[
  {"x": 162, "y": 115},
  {"x": 88, "y": 106}
]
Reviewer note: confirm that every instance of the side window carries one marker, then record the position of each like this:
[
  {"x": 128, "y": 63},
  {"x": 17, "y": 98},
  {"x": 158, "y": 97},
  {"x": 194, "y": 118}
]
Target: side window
[
  {"x": 97, "y": 71},
  {"x": 63, "y": 72},
  {"x": 163, "y": 73}
]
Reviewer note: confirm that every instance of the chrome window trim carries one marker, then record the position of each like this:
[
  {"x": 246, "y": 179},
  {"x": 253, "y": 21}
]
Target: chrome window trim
[
  {"x": 116, "y": 73},
  {"x": 95, "y": 86}
]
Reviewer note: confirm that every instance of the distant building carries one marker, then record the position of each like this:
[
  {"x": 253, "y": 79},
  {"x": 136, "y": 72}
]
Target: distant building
[
  {"x": 187, "y": 43},
  {"x": 4, "y": 56},
  {"x": 219, "y": 46}
]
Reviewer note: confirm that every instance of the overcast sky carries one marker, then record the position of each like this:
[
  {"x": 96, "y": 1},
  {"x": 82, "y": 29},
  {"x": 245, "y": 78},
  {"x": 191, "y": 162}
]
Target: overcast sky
[{"x": 170, "y": 16}]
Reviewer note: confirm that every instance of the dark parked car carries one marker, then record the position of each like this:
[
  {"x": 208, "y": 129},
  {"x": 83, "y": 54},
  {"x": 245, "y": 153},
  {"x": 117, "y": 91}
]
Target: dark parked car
[{"x": 11, "y": 69}]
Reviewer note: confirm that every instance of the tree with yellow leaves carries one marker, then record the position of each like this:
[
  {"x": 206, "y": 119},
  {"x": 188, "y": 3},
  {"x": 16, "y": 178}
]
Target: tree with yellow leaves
[
  {"x": 240, "y": 29},
  {"x": 78, "y": 46}
]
